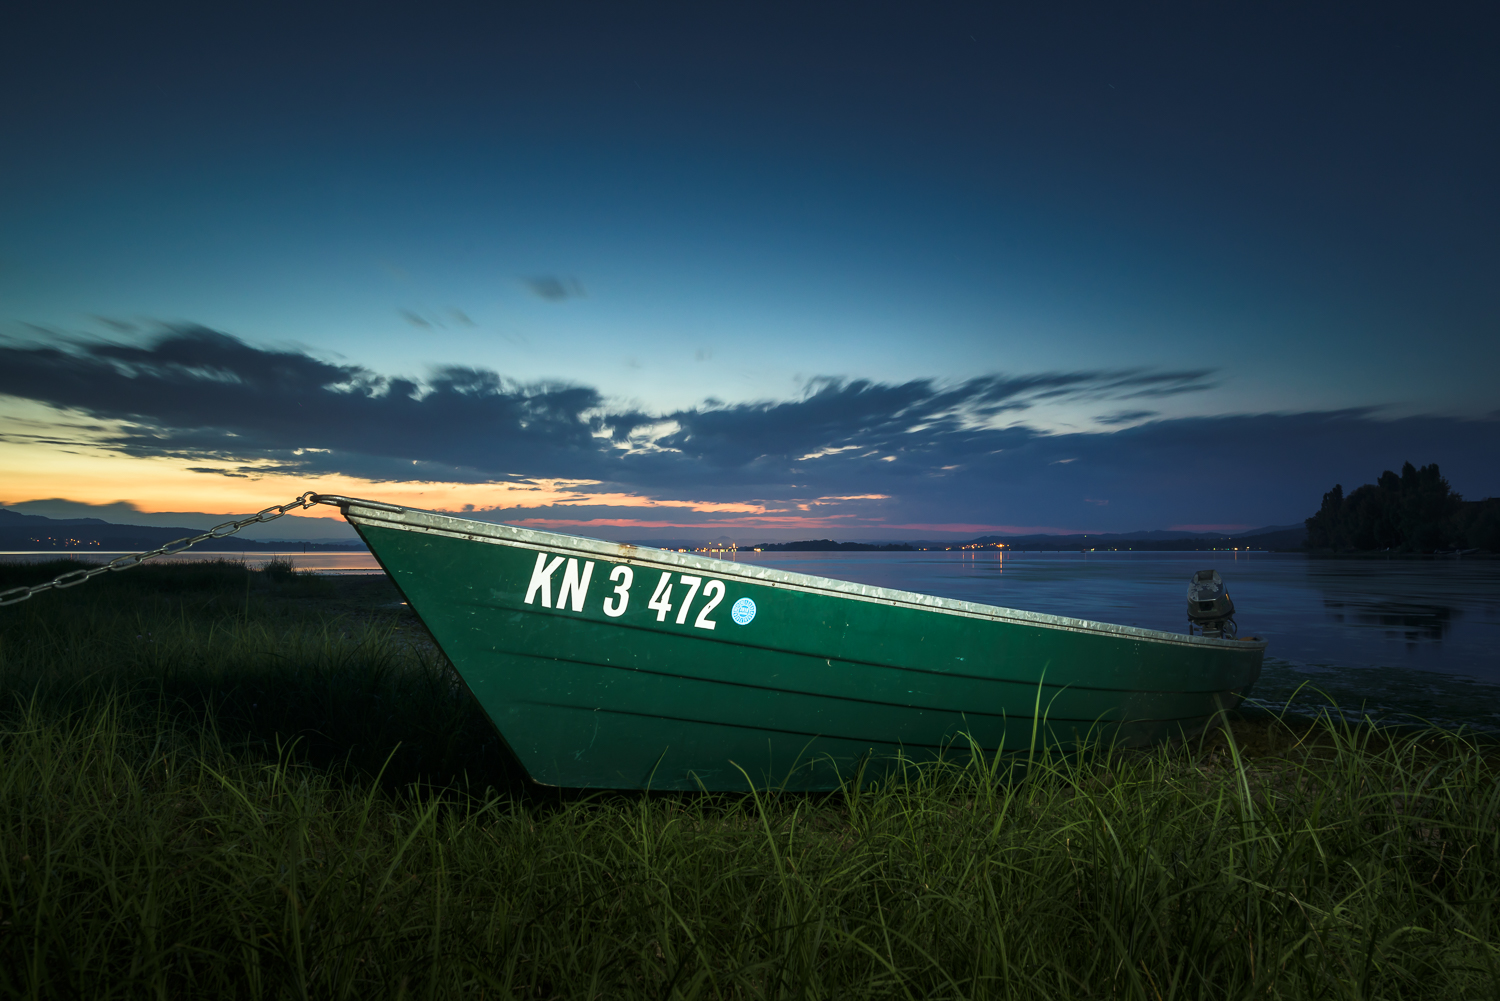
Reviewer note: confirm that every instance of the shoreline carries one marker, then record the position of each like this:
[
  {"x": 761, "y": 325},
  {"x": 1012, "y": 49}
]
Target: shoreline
[{"x": 216, "y": 776}]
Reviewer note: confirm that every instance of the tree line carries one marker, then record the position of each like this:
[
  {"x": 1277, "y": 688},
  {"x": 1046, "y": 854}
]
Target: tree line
[
  {"x": 1415, "y": 511},
  {"x": 829, "y": 546}
]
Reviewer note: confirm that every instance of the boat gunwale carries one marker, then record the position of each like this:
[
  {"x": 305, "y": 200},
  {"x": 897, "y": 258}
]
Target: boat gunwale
[{"x": 358, "y": 511}]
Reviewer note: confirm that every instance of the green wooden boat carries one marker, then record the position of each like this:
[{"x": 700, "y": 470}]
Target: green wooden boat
[{"x": 612, "y": 666}]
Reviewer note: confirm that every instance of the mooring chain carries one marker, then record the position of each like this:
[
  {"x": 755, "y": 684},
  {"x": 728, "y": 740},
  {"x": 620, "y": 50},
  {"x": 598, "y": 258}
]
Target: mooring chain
[{"x": 224, "y": 531}]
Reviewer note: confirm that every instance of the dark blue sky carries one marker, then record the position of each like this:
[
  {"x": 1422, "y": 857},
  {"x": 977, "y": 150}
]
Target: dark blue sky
[{"x": 1285, "y": 215}]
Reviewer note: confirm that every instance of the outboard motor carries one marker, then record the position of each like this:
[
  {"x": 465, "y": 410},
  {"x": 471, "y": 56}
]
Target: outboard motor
[{"x": 1210, "y": 610}]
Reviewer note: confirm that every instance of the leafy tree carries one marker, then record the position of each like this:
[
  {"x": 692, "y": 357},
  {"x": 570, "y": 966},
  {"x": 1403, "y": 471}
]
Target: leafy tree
[
  {"x": 1416, "y": 511},
  {"x": 1479, "y": 524},
  {"x": 1325, "y": 529}
]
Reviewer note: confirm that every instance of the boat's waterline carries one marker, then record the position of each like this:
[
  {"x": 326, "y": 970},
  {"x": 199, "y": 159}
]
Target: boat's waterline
[{"x": 608, "y": 665}]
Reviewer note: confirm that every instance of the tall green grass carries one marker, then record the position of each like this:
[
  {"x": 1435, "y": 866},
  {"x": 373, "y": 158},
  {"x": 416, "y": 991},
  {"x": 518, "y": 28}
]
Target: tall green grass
[
  {"x": 263, "y": 657},
  {"x": 157, "y": 841}
]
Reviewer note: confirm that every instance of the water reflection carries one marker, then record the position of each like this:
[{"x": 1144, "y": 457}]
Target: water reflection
[
  {"x": 1412, "y": 622},
  {"x": 1414, "y": 636}
]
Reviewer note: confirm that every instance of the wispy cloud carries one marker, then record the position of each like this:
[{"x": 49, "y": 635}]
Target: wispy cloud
[
  {"x": 117, "y": 325},
  {"x": 554, "y": 288},
  {"x": 918, "y": 452},
  {"x": 1126, "y": 417}
]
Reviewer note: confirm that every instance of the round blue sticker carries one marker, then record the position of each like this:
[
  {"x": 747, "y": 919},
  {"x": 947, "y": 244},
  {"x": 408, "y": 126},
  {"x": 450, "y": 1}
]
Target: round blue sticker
[{"x": 743, "y": 611}]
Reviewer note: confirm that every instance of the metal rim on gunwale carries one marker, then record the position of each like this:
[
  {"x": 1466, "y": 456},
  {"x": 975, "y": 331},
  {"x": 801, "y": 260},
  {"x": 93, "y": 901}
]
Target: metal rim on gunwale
[{"x": 358, "y": 510}]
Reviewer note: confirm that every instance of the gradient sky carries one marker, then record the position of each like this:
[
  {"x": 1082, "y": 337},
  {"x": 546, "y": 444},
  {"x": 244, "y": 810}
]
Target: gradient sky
[{"x": 868, "y": 271}]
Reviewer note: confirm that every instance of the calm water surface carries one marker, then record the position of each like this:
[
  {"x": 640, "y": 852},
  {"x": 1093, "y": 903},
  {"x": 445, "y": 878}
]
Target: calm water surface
[
  {"x": 1392, "y": 637},
  {"x": 1414, "y": 637}
]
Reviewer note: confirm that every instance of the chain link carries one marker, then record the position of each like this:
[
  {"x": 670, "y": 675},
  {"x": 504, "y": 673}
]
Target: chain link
[{"x": 75, "y": 577}]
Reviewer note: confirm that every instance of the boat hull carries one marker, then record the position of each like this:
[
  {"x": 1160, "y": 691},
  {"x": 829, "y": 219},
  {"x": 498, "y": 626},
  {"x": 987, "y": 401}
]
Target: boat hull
[{"x": 596, "y": 676}]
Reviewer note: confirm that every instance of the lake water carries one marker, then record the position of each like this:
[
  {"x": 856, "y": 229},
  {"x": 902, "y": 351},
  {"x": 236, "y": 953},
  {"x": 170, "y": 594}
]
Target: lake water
[{"x": 1391, "y": 637}]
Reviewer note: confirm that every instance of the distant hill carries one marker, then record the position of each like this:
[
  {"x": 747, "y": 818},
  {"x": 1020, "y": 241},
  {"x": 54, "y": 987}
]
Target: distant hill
[
  {"x": 33, "y": 533},
  {"x": 1158, "y": 535},
  {"x": 721, "y": 542},
  {"x": 30, "y": 532},
  {"x": 1278, "y": 538},
  {"x": 1281, "y": 540},
  {"x": 10, "y": 518},
  {"x": 829, "y": 546}
]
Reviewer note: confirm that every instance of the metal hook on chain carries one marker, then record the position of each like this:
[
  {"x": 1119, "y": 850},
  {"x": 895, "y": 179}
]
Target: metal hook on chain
[{"x": 75, "y": 577}]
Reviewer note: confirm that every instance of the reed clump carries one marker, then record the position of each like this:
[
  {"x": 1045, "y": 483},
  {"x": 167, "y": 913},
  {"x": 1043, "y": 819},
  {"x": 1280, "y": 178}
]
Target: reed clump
[{"x": 157, "y": 838}]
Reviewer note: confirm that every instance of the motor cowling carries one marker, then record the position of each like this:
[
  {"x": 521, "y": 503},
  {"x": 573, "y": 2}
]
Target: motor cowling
[{"x": 1210, "y": 609}]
